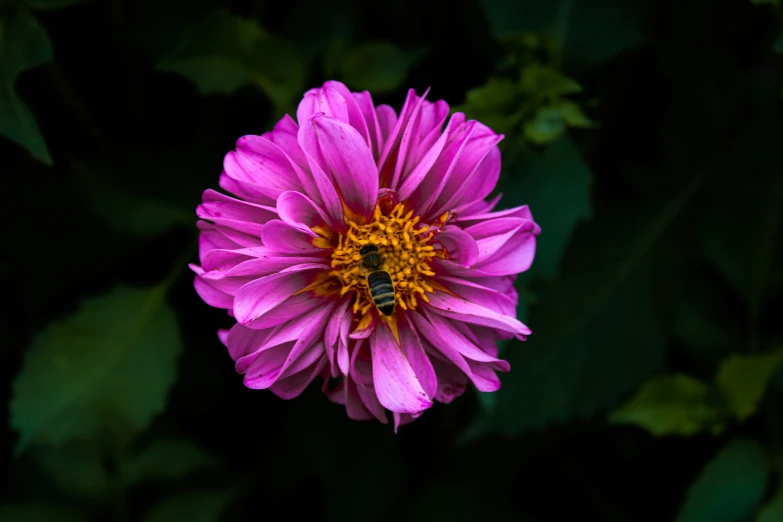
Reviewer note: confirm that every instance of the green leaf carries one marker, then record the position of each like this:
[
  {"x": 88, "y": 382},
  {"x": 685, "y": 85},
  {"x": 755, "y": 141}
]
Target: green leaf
[
  {"x": 586, "y": 350},
  {"x": 547, "y": 126},
  {"x": 544, "y": 81},
  {"x": 599, "y": 30},
  {"x": 193, "y": 506},
  {"x": 706, "y": 321},
  {"x": 493, "y": 104},
  {"x": 223, "y": 52},
  {"x": 556, "y": 186},
  {"x": 739, "y": 227},
  {"x": 376, "y": 66},
  {"x": 671, "y": 405},
  {"x": 37, "y": 513},
  {"x": 744, "y": 379},
  {"x": 129, "y": 213},
  {"x": 167, "y": 459},
  {"x": 51, "y": 4},
  {"x": 589, "y": 31},
  {"x": 773, "y": 511},
  {"x": 109, "y": 365},
  {"x": 572, "y": 114},
  {"x": 23, "y": 45},
  {"x": 778, "y": 45},
  {"x": 75, "y": 469},
  {"x": 510, "y": 17},
  {"x": 729, "y": 487}
]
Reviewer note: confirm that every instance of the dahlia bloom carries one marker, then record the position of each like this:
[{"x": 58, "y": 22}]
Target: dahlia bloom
[{"x": 283, "y": 256}]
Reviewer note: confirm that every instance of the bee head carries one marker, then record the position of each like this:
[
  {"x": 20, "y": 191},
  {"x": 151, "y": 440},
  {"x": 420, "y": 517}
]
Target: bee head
[{"x": 366, "y": 249}]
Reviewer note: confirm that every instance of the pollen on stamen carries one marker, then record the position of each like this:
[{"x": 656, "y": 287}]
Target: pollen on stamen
[{"x": 403, "y": 243}]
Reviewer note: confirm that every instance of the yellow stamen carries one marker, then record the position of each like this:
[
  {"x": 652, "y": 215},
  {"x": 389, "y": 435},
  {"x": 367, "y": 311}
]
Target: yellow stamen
[{"x": 404, "y": 245}]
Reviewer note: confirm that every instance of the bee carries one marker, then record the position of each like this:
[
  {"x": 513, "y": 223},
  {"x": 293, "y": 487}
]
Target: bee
[{"x": 379, "y": 281}]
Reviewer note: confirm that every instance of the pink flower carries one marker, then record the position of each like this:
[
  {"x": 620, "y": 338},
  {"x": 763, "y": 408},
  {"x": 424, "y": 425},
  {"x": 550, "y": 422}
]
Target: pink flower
[{"x": 283, "y": 256}]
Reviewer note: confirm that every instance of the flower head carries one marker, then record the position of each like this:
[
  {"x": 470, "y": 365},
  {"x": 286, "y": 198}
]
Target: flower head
[{"x": 360, "y": 248}]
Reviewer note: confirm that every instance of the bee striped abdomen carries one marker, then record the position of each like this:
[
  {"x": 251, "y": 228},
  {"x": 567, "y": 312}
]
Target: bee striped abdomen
[{"x": 382, "y": 291}]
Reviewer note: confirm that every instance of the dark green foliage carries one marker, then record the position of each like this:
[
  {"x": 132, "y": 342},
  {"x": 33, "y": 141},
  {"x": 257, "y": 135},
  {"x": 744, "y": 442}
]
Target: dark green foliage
[{"x": 646, "y": 137}]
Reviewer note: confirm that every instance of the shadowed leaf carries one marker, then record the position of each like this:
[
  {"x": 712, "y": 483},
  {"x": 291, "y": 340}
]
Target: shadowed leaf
[
  {"x": 744, "y": 380},
  {"x": 671, "y": 405},
  {"x": 556, "y": 185},
  {"x": 729, "y": 487},
  {"x": 128, "y": 213},
  {"x": 570, "y": 366},
  {"x": 52, "y": 4},
  {"x": 23, "y": 45},
  {"x": 74, "y": 468},
  {"x": 167, "y": 459},
  {"x": 376, "y": 66},
  {"x": 193, "y": 506},
  {"x": 108, "y": 365},
  {"x": 224, "y": 52},
  {"x": 38, "y": 513}
]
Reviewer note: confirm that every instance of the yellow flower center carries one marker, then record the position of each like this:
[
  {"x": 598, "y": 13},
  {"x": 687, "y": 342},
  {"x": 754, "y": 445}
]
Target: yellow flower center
[{"x": 405, "y": 249}]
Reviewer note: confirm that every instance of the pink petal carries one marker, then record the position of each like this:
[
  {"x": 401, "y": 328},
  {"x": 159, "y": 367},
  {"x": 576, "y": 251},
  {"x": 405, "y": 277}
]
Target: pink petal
[
  {"x": 299, "y": 211},
  {"x": 460, "y": 245},
  {"x": 356, "y": 118},
  {"x": 345, "y": 156},
  {"x": 244, "y": 191},
  {"x": 326, "y": 100},
  {"x": 281, "y": 237},
  {"x": 211, "y": 295},
  {"x": 240, "y": 215},
  {"x": 354, "y": 406},
  {"x": 515, "y": 256},
  {"x": 396, "y": 383},
  {"x": 430, "y": 128},
  {"x": 304, "y": 329},
  {"x": 391, "y": 126},
  {"x": 451, "y": 382},
  {"x": 430, "y": 188},
  {"x": 479, "y": 207},
  {"x": 493, "y": 234},
  {"x": 476, "y": 174},
  {"x": 361, "y": 363},
  {"x": 481, "y": 295},
  {"x": 291, "y": 387},
  {"x": 262, "y": 165},
  {"x": 483, "y": 214},
  {"x": 224, "y": 259},
  {"x": 401, "y": 419},
  {"x": 364, "y": 102},
  {"x": 262, "y": 295},
  {"x": 240, "y": 239},
  {"x": 411, "y": 182},
  {"x": 284, "y": 136},
  {"x": 484, "y": 377},
  {"x": 370, "y": 400},
  {"x": 243, "y": 341},
  {"x": 387, "y": 121},
  {"x": 271, "y": 263},
  {"x": 298, "y": 338},
  {"x": 448, "y": 335},
  {"x": 334, "y": 323},
  {"x": 290, "y": 308},
  {"x": 411, "y": 135},
  {"x": 461, "y": 310},
  {"x": 210, "y": 238},
  {"x": 414, "y": 353}
]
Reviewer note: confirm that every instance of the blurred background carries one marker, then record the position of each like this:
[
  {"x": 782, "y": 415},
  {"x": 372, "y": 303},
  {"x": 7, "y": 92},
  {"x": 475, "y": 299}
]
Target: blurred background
[{"x": 647, "y": 138}]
